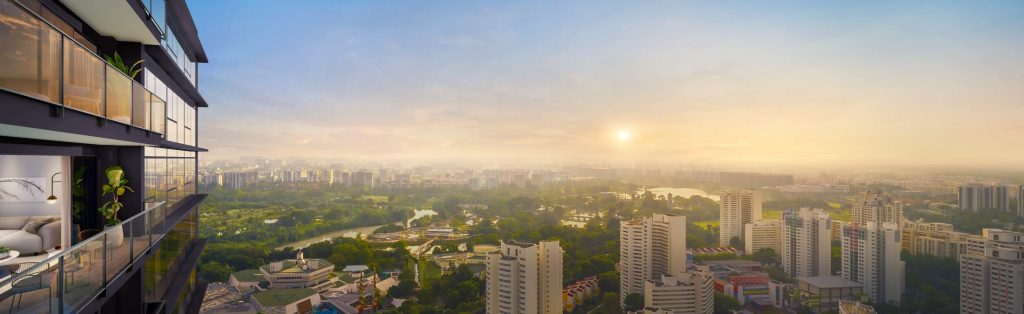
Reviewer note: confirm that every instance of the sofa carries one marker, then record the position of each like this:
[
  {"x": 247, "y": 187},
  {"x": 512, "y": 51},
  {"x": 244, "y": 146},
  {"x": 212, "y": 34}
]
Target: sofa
[{"x": 27, "y": 243}]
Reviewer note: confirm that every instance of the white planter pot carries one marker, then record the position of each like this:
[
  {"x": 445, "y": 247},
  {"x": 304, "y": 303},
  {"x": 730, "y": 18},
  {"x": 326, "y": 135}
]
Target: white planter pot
[{"x": 115, "y": 238}]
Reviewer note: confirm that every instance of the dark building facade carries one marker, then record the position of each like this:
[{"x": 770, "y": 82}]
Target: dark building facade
[{"x": 98, "y": 155}]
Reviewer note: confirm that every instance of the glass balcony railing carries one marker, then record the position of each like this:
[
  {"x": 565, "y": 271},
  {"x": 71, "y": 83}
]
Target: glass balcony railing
[
  {"x": 38, "y": 60},
  {"x": 71, "y": 278}
]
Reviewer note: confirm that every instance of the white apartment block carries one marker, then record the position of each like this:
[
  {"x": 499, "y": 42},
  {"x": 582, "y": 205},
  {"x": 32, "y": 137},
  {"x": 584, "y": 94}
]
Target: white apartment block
[
  {"x": 806, "y": 243},
  {"x": 871, "y": 257},
  {"x": 737, "y": 208},
  {"x": 525, "y": 278},
  {"x": 875, "y": 206},
  {"x": 992, "y": 273},
  {"x": 683, "y": 293},
  {"x": 650, "y": 248},
  {"x": 760, "y": 235},
  {"x": 933, "y": 238}
]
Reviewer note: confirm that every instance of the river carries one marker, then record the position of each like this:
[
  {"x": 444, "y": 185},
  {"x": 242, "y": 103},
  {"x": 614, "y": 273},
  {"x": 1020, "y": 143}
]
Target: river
[
  {"x": 355, "y": 231},
  {"x": 684, "y": 192}
]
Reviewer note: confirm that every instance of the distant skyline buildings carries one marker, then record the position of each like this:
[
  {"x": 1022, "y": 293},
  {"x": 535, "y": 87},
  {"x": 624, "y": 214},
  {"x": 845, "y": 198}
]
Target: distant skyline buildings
[{"x": 975, "y": 197}]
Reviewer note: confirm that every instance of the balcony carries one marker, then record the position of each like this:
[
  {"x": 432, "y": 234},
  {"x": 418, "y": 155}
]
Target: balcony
[
  {"x": 41, "y": 62},
  {"x": 70, "y": 279}
]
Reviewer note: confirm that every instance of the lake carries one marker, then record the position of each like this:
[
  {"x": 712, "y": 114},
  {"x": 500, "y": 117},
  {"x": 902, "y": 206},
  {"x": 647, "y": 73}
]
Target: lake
[
  {"x": 684, "y": 192},
  {"x": 356, "y": 231}
]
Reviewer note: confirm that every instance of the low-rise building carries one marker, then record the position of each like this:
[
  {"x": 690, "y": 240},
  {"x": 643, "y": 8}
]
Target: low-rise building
[
  {"x": 827, "y": 291},
  {"x": 246, "y": 279},
  {"x": 298, "y": 273},
  {"x": 578, "y": 292},
  {"x": 932, "y": 238},
  {"x": 689, "y": 292}
]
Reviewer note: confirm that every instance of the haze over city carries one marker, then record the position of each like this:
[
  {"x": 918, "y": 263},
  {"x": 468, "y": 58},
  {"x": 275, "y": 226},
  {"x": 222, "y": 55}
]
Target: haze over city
[{"x": 739, "y": 83}]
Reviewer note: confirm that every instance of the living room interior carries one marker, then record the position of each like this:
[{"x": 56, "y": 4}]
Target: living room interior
[{"x": 35, "y": 208}]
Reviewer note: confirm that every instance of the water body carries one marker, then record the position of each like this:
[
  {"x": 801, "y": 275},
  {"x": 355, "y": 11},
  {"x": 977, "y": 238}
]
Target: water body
[
  {"x": 354, "y": 232},
  {"x": 684, "y": 192}
]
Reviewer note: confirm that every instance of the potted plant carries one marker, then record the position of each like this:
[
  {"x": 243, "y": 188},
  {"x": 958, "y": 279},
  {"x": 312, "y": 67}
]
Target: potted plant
[
  {"x": 4, "y": 252},
  {"x": 116, "y": 185}
]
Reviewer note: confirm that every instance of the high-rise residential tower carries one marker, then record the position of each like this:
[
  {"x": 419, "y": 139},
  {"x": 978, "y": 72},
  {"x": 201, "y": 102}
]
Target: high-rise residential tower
[
  {"x": 71, "y": 122},
  {"x": 525, "y": 278},
  {"x": 649, "y": 248},
  {"x": 737, "y": 208},
  {"x": 805, "y": 244},
  {"x": 877, "y": 207},
  {"x": 975, "y": 197},
  {"x": 992, "y": 273},
  {"x": 871, "y": 257}
]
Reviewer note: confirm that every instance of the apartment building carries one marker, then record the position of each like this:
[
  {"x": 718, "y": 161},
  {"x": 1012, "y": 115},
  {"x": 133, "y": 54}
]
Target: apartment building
[
  {"x": 649, "y": 248},
  {"x": 878, "y": 207},
  {"x": 992, "y": 273},
  {"x": 72, "y": 121},
  {"x": 736, "y": 209},
  {"x": 933, "y": 238},
  {"x": 682, "y": 293},
  {"x": 762, "y": 234},
  {"x": 871, "y": 257},
  {"x": 805, "y": 244},
  {"x": 525, "y": 278},
  {"x": 974, "y": 197}
]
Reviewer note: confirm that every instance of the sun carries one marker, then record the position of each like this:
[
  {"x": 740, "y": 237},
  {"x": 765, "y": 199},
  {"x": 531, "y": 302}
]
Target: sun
[{"x": 624, "y": 135}]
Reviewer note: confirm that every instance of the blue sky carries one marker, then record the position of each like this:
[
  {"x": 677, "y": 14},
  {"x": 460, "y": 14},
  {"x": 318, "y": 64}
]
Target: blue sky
[{"x": 726, "y": 83}]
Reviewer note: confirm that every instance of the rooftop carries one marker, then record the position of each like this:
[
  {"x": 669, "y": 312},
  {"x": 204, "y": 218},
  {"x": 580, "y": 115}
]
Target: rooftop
[
  {"x": 355, "y": 268},
  {"x": 248, "y": 275},
  {"x": 829, "y": 282},
  {"x": 282, "y": 297},
  {"x": 295, "y": 266}
]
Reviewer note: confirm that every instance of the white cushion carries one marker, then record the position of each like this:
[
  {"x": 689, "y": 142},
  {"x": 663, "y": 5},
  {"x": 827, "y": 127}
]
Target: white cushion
[
  {"x": 24, "y": 242},
  {"x": 13, "y": 222}
]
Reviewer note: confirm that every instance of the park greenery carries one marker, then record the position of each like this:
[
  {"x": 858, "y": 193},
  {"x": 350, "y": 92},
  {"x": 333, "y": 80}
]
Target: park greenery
[{"x": 249, "y": 228}]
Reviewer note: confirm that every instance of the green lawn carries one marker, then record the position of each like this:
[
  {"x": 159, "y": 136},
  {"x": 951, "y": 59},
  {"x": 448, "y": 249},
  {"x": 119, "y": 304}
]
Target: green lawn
[
  {"x": 428, "y": 271},
  {"x": 704, "y": 223}
]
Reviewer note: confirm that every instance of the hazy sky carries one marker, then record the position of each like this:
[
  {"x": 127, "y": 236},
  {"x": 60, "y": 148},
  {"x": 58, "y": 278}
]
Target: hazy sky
[{"x": 711, "y": 82}]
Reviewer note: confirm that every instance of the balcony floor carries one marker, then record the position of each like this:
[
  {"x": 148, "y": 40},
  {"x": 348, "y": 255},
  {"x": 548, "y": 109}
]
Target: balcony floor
[{"x": 83, "y": 280}]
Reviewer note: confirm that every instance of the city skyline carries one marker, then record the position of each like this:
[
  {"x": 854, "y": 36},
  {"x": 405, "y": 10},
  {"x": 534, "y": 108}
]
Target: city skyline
[{"x": 830, "y": 85}]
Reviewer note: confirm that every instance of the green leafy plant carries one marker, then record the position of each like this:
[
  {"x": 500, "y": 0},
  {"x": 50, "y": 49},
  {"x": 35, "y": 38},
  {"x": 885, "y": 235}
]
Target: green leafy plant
[
  {"x": 4, "y": 249},
  {"x": 118, "y": 63},
  {"x": 117, "y": 185}
]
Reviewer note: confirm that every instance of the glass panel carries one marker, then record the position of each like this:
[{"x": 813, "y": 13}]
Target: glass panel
[
  {"x": 83, "y": 273},
  {"x": 140, "y": 107},
  {"x": 29, "y": 55},
  {"x": 119, "y": 96},
  {"x": 156, "y": 9},
  {"x": 118, "y": 252},
  {"x": 139, "y": 235},
  {"x": 157, "y": 110},
  {"x": 83, "y": 79}
]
